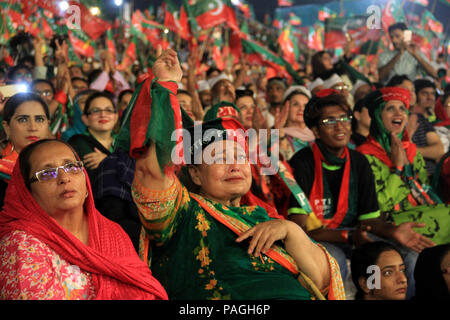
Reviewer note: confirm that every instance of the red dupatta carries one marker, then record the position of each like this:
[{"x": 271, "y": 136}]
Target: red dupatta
[
  {"x": 117, "y": 271},
  {"x": 372, "y": 147}
]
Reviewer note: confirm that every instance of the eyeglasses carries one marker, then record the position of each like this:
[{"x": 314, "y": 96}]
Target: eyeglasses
[
  {"x": 52, "y": 173},
  {"x": 339, "y": 88},
  {"x": 21, "y": 75},
  {"x": 45, "y": 93},
  {"x": 97, "y": 111},
  {"x": 332, "y": 122}
]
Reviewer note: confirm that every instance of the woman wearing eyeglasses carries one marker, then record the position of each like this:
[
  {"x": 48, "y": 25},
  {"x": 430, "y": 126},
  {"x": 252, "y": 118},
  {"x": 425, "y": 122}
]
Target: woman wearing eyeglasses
[
  {"x": 100, "y": 116},
  {"x": 340, "y": 186},
  {"x": 54, "y": 244},
  {"x": 25, "y": 120}
]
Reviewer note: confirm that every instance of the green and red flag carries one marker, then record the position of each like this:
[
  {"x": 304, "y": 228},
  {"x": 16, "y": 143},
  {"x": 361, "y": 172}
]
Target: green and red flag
[
  {"x": 129, "y": 55},
  {"x": 391, "y": 14},
  {"x": 325, "y": 13},
  {"x": 294, "y": 20},
  {"x": 285, "y": 3},
  {"x": 175, "y": 19},
  {"x": 315, "y": 36},
  {"x": 110, "y": 45},
  {"x": 430, "y": 23},
  {"x": 7, "y": 29},
  {"x": 210, "y": 13},
  {"x": 424, "y": 3},
  {"x": 260, "y": 55},
  {"x": 148, "y": 30},
  {"x": 82, "y": 44},
  {"x": 245, "y": 8},
  {"x": 289, "y": 47},
  {"x": 338, "y": 29},
  {"x": 92, "y": 25},
  {"x": 218, "y": 56}
]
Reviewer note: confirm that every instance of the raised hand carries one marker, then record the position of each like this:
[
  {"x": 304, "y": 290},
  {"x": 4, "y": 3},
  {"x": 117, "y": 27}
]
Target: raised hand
[
  {"x": 281, "y": 116},
  {"x": 398, "y": 153},
  {"x": 167, "y": 67}
]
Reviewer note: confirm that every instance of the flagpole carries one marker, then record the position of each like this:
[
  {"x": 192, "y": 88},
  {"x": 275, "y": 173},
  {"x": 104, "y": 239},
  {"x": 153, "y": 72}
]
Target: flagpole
[{"x": 433, "y": 7}]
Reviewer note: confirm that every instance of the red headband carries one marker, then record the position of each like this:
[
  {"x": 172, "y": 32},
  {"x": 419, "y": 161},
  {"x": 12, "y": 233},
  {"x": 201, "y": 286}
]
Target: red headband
[{"x": 396, "y": 93}]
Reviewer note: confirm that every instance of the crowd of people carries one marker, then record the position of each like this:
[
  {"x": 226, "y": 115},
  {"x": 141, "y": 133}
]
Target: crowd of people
[{"x": 95, "y": 204}]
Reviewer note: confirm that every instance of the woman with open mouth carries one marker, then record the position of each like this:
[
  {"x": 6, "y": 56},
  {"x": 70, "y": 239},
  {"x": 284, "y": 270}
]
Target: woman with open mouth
[
  {"x": 401, "y": 180},
  {"x": 96, "y": 143}
]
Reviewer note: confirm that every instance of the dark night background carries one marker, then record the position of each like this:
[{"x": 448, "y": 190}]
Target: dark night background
[{"x": 261, "y": 7}]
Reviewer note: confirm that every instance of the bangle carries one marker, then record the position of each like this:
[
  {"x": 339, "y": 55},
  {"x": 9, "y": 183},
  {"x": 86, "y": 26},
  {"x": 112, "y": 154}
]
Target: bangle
[{"x": 344, "y": 235}]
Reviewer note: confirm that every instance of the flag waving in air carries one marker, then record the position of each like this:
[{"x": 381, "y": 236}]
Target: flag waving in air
[{"x": 210, "y": 13}]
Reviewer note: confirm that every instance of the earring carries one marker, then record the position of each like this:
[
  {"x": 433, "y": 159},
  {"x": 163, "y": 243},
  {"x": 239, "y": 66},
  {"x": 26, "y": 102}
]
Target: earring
[{"x": 87, "y": 194}]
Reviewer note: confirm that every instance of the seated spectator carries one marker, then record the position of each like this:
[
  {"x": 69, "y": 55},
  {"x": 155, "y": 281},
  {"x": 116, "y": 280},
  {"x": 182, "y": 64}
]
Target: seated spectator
[
  {"x": 315, "y": 86},
  {"x": 340, "y": 186},
  {"x": 432, "y": 274},
  {"x": 360, "y": 124},
  {"x": 441, "y": 178},
  {"x": 123, "y": 100},
  {"x": 96, "y": 143},
  {"x": 400, "y": 176},
  {"x": 442, "y": 122},
  {"x": 51, "y": 231},
  {"x": 360, "y": 90},
  {"x": 420, "y": 129},
  {"x": 294, "y": 134},
  {"x": 201, "y": 256},
  {"x": 112, "y": 193},
  {"x": 25, "y": 120},
  {"x": 378, "y": 272}
]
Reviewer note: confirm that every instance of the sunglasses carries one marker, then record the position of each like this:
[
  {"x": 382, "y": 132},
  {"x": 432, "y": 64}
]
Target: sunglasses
[
  {"x": 52, "y": 173},
  {"x": 332, "y": 122}
]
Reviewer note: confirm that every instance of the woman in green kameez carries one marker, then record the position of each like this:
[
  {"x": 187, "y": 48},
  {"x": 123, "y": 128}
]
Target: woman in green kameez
[
  {"x": 401, "y": 179},
  {"x": 203, "y": 244}
]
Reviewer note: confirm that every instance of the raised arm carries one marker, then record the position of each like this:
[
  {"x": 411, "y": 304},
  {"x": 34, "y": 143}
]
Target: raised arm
[{"x": 149, "y": 174}]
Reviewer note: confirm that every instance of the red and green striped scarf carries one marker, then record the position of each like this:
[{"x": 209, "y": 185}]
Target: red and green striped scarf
[
  {"x": 348, "y": 191},
  {"x": 153, "y": 115}
]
